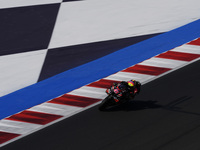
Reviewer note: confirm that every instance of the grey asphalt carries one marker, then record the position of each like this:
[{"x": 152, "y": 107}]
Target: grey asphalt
[{"x": 165, "y": 116}]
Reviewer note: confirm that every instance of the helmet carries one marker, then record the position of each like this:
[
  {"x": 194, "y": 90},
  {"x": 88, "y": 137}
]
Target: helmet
[{"x": 131, "y": 83}]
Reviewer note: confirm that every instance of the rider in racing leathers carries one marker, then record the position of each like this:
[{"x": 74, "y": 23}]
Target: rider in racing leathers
[{"x": 128, "y": 89}]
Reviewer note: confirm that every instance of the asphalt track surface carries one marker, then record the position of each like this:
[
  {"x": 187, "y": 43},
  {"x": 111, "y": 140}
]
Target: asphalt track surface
[{"x": 164, "y": 116}]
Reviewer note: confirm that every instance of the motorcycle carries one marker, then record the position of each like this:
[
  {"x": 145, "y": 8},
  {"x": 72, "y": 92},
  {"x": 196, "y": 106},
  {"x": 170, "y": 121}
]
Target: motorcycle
[{"x": 117, "y": 95}]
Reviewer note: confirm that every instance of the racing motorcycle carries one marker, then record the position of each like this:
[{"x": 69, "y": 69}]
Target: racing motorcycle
[{"x": 117, "y": 95}]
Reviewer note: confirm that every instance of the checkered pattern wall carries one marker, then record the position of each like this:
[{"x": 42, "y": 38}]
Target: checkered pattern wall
[
  {"x": 39, "y": 39},
  {"x": 25, "y": 56}
]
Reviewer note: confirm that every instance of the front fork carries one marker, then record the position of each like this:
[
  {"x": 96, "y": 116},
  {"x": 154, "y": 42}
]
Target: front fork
[{"x": 108, "y": 91}]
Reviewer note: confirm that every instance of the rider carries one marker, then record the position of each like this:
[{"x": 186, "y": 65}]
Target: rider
[
  {"x": 129, "y": 88},
  {"x": 134, "y": 87}
]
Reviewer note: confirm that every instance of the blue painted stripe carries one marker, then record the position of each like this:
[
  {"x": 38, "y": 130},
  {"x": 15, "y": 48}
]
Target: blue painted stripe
[{"x": 87, "y": 73}]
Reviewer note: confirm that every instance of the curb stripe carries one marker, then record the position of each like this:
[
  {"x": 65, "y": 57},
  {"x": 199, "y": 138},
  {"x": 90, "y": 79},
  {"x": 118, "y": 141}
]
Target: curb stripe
[
  {"x": 4, "y": 136},
  {"x": 103, "y": 83},
  {"x": 179, "y": 56},
  {"x": 195, "y": 42},
  {"x": 74, "y": 100},
  {"x": 162, "y": 62},
  {"x": 17, "y": 127},
  {"x": 56, "y": 109},
  {"x": 149, "y": 70},
  {"x": 193, "y": 49},
  {"x": 89, "y": 94},
  {"x": 34, "y": 117},
  {"x": 125, "y": 76}
]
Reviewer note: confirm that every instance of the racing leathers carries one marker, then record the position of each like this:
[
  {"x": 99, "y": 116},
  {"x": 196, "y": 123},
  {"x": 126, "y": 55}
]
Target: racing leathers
[{"x": 128, "y": 92}]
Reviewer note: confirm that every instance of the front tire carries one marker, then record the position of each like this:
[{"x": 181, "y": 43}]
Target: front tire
[{"x": 105, "y": 103}]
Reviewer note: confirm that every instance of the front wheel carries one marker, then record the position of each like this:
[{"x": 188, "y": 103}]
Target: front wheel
[{"x": 106, "y": 103}]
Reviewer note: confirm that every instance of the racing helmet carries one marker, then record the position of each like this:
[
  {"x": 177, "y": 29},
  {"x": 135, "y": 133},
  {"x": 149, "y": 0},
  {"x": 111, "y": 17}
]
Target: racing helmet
[{"x": 131, "y": 83}]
